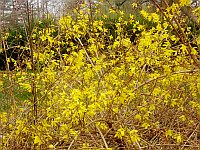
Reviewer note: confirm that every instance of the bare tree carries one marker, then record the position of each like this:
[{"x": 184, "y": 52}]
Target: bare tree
[{"x": 6, "y": 7}]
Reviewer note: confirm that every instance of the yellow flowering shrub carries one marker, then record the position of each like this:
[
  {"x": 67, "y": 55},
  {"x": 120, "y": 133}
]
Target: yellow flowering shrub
[{"x": 95, "y": 90}]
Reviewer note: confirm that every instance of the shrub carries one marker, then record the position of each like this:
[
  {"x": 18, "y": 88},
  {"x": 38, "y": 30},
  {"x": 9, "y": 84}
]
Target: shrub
[{"x": 107, "y": 92}]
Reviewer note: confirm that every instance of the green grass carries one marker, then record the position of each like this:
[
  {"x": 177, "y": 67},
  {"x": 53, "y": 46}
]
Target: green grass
[{"x": 8, "y": 93}]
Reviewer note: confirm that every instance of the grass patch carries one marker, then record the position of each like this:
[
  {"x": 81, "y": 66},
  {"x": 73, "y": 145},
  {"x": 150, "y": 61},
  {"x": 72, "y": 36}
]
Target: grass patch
[{"x": 11, "y": 91}]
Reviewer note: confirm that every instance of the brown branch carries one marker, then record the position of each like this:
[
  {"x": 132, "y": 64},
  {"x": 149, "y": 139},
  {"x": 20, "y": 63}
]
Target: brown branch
[{"x": 183, "y": 39}]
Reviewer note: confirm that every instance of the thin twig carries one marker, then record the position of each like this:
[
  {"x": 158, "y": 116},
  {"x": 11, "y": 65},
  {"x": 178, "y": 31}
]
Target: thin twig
[
  {"x": 140, "y": 148},
  {"x": 92, "y": 121},
  {"x": 162, "y": 76},
  {"x": 105, "y": 143},
  {"x": 190, "y": 136},
  {"x": 89, "y": 58},
  {"x": 183, "y": 39},
  {"x": 158, "y": 6},
  {"x": 73, "y": 140}
]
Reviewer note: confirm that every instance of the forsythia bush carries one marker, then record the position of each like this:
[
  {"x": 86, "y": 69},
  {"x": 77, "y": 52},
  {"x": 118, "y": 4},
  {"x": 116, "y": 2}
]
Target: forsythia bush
[{"x": 93, "y": 90}]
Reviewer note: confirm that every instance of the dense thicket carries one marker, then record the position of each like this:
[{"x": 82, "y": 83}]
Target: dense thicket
[{"x": 119, "y": 81}]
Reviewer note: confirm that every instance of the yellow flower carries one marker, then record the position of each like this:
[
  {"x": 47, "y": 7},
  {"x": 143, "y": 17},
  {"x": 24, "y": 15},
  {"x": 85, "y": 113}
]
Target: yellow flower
[
  {"x": 51, "y": 146},
  {"x": 185, "y": 2}
]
